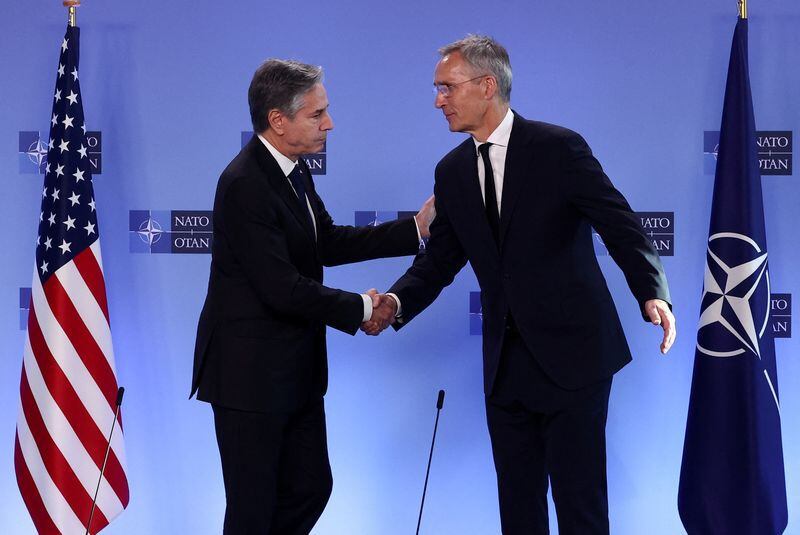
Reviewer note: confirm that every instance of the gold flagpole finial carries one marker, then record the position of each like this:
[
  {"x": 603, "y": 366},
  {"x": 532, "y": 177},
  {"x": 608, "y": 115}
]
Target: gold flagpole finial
[
  {"x": 72, "y": 4},
  {"x": 742, "y": 9}
]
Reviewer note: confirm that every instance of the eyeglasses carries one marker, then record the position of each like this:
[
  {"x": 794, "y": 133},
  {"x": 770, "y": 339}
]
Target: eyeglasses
[{"x": 446, "y": 89}]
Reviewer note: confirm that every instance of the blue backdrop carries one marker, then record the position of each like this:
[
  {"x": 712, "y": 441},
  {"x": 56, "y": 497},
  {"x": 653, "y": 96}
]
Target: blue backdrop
[{"x": 165, "y": 85}]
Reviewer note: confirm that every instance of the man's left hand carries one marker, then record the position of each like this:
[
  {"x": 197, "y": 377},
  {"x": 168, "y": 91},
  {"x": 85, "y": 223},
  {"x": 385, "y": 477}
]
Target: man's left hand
[{"x": 659, "y": 313}]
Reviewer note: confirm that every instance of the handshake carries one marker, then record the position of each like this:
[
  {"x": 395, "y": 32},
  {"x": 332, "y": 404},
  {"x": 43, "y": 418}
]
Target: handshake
[{"x": 384, "y": 310}]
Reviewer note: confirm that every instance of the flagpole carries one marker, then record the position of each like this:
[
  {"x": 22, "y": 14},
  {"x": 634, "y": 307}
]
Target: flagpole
[
  {"x": 72, "y": 4},
  {"x": 743, "y": 9}
]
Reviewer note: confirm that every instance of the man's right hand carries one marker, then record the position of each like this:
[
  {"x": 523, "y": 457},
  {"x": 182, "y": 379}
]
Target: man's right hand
[{"x": 384, "y": 309}]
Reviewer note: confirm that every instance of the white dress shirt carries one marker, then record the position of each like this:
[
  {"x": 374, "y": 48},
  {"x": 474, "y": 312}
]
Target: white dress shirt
[
  {"x": 497, "y": 156},
  {"x": 287, "y": 165}
]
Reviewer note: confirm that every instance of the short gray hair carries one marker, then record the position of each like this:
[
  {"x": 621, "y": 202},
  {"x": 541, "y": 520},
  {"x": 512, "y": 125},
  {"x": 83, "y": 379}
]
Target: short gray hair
[
  {"x": 486, "y": 55},
  {"x": 279, "y": 84}
]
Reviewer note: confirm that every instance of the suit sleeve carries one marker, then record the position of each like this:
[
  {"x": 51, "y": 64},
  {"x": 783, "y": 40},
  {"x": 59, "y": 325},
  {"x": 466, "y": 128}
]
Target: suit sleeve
[
  {"x": 344, "y": 244},
  {"x": 434, "y": 269},
  {"x": 259, "y": 245},
  {"x": 591, "y": 192}
]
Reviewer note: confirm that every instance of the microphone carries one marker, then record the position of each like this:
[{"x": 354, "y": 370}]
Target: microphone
[
  {"x": 118, "y": 404},
  {"x": 439, "y": 405}
]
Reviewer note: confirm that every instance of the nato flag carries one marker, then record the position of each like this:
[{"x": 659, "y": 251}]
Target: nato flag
[{"x": 732, "y": 478}]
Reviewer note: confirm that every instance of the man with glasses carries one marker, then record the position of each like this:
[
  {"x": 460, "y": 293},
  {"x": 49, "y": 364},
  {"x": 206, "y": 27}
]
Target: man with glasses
[{"x": 518, "y": 199}]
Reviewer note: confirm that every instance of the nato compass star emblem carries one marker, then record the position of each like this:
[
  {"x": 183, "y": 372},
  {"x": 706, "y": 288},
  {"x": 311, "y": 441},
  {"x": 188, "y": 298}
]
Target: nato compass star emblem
[
  {"x": 150, "y": 231},
  {"x": 37, "y": 152},
  {"x": 735, "y": 303}
]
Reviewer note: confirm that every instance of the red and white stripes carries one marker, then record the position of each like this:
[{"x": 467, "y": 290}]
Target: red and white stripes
[{"x": 68, "y": 391}]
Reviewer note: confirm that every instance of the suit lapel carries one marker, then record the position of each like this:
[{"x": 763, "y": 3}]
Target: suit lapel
[
  {"x": 517, "y": 157},
  {"x": 311, "y": 192},
  {"x": 280, "y": 184}
]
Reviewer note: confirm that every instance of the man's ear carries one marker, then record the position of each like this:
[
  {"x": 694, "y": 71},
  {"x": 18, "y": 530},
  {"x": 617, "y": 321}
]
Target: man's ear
[
  {"x": 491, "y": 88},
  {"x": 276, "y": 121}
]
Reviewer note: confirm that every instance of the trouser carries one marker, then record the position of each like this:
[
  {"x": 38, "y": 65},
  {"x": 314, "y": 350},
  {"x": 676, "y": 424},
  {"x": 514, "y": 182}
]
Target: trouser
[
  {"x": 276, "y": 469},
  {"x": 540, "y": 431}
]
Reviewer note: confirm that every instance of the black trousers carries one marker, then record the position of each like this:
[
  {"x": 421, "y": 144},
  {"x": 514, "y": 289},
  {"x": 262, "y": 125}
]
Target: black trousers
[
  {"x": 276, "y": 469},
  {"x": 540, "y": 431}
]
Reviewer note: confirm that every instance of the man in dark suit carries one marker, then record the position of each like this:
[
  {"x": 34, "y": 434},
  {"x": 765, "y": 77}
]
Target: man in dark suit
[
  {"x": 517, "y": 200},
  {"x": 260, "y": 356}
]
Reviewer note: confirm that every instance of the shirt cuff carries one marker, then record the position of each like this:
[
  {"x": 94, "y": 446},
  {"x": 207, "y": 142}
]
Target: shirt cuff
[
  {"x": 399, "y": 306},
  {"x": 367, "y": 307},
  {"x": 419, "y": 237}
]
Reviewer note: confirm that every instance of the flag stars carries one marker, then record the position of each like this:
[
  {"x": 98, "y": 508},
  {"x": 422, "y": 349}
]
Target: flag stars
[
  {"x": 89, "y": 228},
  {"x": 43, "y": 267},
  {"x": 60, "y": 170},
  {"x": 83, "y": 127},
  {"x": 44, "y": 194},
  {"x": 64, "y": 145},
  {"x": 82, "y": 151},
  {"x": 60, "y": 70},
  {"x": 50, "y": 144},
  {"x": 91, "y": 205},
  {"x": 74, "y": 198},
  {"x": 64, "y": 46},
  {"x": 58, "y": 95},
  {"x": 67, "y": 122},
  {"x": 54, "y": 120},
  {"x": 55, "y": 194},
  {"x": 48, "y": 243},
  {"x": 78, "y": 174},
  {"x": 70, "y": 223},
  {"x": 72, "y": 97},
  {"x": 52, "y": 219},
  {"x": 65, "y": 245},
  {"x": 47, "y": 168},
  {"x": 74, "y": 74}
]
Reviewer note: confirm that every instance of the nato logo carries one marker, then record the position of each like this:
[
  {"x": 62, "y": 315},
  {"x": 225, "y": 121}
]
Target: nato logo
[
  {"x": 170, "y": 231},
  {"x": 774, "y": 151},
  {"x": 735, "y": 306},
  {"x": 780, "y": 315},
  {"x": 659, "y": 227},
  {"x": 33, "y": 152},
  {"x": 316, "y": 162},
  {"x": 475, "y": 314},
  {"x": 24, "y": 306}
]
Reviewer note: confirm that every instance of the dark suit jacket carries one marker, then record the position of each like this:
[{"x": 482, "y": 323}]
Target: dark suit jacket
[
  {"x": 545, "y": 273},
  {"x": 261, "y": 335}
]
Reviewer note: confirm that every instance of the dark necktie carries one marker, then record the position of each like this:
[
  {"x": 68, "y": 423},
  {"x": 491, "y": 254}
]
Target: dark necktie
[
  {"x": 490, "y": 194},
  {"x": 296, "y": 178}
]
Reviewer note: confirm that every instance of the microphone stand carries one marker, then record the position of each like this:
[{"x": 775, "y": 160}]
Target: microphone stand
[{"x": 439, "y": 404}]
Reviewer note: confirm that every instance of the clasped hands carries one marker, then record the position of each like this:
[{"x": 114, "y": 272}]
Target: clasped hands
[{"x": 384, "y": 310}]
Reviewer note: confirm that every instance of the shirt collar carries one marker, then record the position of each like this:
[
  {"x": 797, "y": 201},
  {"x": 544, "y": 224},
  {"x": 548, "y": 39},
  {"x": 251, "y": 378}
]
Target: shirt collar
[
  {"x": 285, "y": 163},
  {"x": 502, "y": 133}
]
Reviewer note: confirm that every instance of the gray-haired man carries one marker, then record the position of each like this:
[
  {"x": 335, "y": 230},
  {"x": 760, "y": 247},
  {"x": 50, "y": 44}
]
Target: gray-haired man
[
  {"x": 518, "y": 199},
  {"x": 260, "y": 356}
]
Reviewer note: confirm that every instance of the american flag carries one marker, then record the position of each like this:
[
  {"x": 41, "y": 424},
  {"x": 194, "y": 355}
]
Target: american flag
[{"x": 68, "y": 389}]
